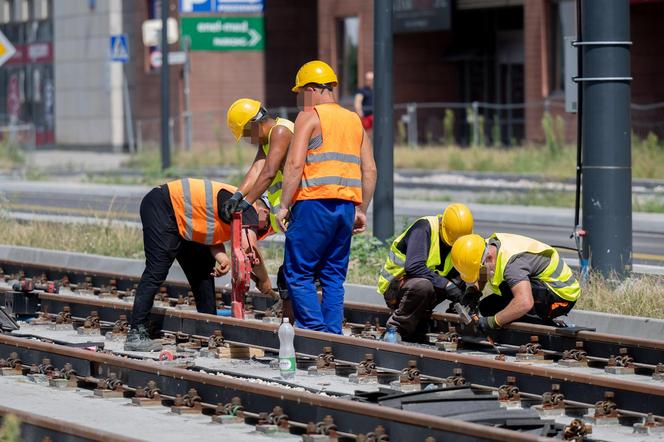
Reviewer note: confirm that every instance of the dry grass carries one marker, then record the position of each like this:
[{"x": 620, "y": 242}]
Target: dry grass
[
  {"x": 647, "y": 159},
  {"x": 98, "y": 239},
  {"x": 637, "y": 296}
]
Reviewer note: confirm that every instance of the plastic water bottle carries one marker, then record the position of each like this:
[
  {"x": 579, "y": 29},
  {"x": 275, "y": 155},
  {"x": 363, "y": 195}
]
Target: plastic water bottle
[
  {"x": 286, "y": 350},
  {"x": 391, "y": 335}
]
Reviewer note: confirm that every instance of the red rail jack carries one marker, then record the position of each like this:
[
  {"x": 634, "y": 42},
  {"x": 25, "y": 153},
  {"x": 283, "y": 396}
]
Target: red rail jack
[{"x": 241, "y": 263}]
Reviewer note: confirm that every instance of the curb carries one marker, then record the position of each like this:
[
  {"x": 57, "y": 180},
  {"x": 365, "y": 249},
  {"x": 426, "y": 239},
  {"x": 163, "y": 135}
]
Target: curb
[{"x": 649, "y": 328}]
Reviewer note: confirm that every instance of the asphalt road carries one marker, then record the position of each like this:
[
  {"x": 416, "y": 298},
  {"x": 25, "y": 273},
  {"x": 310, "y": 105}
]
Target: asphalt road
[{"x": 122, "y": 203}]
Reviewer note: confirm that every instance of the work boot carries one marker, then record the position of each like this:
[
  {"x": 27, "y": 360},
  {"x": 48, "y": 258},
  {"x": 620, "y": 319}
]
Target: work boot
[{"x": 138, "y": 339}]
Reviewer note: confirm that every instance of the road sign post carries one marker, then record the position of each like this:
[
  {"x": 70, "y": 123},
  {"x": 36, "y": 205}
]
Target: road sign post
[
  {"x": 119, "y": 53},
  {"x": 165, "y": 90}
]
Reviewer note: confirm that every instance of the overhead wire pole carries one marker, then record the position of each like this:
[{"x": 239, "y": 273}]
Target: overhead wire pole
[
  {"x": 165, "y": 101},
  {"x": 606, "y": 137},
  {"x": 383, "y": 132}
]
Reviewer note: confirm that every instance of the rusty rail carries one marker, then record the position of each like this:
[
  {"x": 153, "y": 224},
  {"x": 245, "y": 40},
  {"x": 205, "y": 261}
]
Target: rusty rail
[{"x": 396, "y": 421}]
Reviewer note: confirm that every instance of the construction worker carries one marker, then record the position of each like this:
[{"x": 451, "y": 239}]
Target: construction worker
[
  {"x": 181, "y": 221},
  {"x": 418, "y": 273},
  {"x": 248, "y": 118},
  {"x": 329, "y": 180},
  {"x": 529, "y": 279}
]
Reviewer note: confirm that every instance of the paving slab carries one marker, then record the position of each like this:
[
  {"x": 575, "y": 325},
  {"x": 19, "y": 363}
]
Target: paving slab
[{"x": 119, "y": 416}]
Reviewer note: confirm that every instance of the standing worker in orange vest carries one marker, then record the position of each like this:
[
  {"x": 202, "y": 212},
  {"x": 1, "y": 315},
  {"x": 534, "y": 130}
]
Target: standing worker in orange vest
[
  {"x": 181, "y": 221},
  {"x": 329, "y": 180}
]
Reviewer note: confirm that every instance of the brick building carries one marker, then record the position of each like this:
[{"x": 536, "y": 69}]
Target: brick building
[{"x": 447, "y": 52}]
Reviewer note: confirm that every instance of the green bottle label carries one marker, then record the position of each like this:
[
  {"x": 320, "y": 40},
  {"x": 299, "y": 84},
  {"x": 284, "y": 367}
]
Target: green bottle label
[{"x": 287, "y": 364}]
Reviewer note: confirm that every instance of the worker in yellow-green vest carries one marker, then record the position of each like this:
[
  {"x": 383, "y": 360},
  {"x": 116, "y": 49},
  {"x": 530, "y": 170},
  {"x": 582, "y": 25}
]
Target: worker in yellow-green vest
[
  {"x": 249, "y": 119},
  {"x": 529, "y": 279},
  {"x": 418, "y": 273}
]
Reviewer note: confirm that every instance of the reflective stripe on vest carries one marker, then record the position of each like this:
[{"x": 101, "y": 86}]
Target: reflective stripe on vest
[
  {"x": 194, "y": 204},
  {"x": 396, "y": 260},
  {"x": 332, "y": 168},
  {"x": 557, "y": 275},
  {"x": 274, "y": 191}
]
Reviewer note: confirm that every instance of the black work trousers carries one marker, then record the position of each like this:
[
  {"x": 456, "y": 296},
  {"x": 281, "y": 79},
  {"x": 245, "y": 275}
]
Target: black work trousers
[
  {"x": 163, "y": 244},
  {"x": 415, "y": 299},
  {"x": 547, "y": 304}
]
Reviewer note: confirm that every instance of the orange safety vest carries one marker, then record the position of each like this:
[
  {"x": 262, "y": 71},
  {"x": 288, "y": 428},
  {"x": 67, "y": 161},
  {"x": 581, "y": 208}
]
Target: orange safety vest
[
  {"x": 332, "y": 169},
  {"x": 195, "y": 205}
]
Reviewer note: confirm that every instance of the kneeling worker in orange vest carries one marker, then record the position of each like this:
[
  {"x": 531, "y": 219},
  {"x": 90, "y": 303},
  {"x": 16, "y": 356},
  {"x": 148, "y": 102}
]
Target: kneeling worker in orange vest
[
  {"x": 418, "y": 273},
  {"x": 529, "y": 279},
  {"x": 181, "y": 221}
]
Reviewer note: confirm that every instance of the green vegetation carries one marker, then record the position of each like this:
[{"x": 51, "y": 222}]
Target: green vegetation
[
  {"x": 638, "y": 295},
  {"x": 556, "y": 160},
  {"x": 11, "y": 429},
  {"x": 11, "y": 155}
]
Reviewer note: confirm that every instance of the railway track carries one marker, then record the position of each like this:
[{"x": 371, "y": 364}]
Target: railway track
[{"x": 582, "y": 383}]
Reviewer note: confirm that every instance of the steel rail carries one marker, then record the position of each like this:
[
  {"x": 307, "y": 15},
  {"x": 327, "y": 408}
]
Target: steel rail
[
  {"x": 635, "y": 396},
  {"x": 645, "y": 351},
  {"x": 349, "y": 416},
  {"x": 37, "y": 427},
  {"x": 603, "y": 345}
]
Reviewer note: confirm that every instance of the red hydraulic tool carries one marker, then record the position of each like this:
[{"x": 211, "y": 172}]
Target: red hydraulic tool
[{"x": 241, "y": 263}]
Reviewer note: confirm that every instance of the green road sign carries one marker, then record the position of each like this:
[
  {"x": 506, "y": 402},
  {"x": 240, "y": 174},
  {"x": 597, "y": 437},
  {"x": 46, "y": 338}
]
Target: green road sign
[{"x": 224, "y": 33}]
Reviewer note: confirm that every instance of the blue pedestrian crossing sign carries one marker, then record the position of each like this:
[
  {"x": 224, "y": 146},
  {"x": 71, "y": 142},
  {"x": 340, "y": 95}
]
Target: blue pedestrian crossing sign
[{"x": 119, "y": 48}]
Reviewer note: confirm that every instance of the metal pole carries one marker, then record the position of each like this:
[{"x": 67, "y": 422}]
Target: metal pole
[
  {"x": 383, "y": 205},
  {"x": 165, "y": 102},
  {"x": 187, "y": 110},
  {"x": 606, "y": 133},
  {"x": 129, "y": 121}
]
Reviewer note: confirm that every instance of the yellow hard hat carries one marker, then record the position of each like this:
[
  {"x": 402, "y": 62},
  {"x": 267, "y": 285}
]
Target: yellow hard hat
[
  {"x": 456, "y": 222},
  {"x": 467, "y": 253},
  {"x": 317, "y": 72},
  {"x": 240, "y": 113}
]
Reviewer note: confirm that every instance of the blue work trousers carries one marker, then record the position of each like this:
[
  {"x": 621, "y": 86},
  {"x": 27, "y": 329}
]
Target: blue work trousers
[{"x": 318, "y": 246}]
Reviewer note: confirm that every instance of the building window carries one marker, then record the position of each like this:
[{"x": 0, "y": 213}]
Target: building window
[
  {"x": 563, "y": 24},
  {"x": 5, "y": 11},
  {"x": 347, "y": 39},
  {"x": 40, "y": 9},
  {"x": 21, "y": 11}
]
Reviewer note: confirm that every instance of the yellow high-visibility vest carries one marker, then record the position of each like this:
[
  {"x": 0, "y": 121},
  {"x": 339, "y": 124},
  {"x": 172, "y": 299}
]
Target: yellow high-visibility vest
[
  {"x": 274, "y": 191},
  {"x": 396, "y": 260},
  {"x": 557, "y": 275}
]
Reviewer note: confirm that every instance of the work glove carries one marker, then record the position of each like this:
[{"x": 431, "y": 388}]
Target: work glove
[
  {"x": 242, "y": 206},
  {"x": 453, "y": 292},
  {"x": 487, "y": 326},
  {"x": 229, "y": 206},
  {"x": 471, "y": 297}
]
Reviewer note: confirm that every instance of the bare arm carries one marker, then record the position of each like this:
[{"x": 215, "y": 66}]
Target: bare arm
[
  {"x": 357, "y": 104},
  {"x": 258, "y": 269},
  {"x": 279, "y": 142},
  {"x": 368, "y": 167},
  {"x": 252, "y": 174},
  {"x": 223, "y": 264},
  {"x": 521, "y": 304},
  {"x": 369, "y": 172},
  {"x": 304, "y": 127}
]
